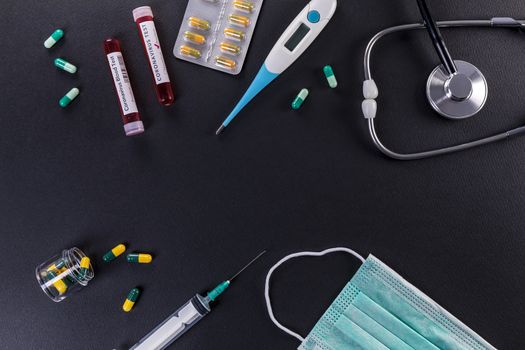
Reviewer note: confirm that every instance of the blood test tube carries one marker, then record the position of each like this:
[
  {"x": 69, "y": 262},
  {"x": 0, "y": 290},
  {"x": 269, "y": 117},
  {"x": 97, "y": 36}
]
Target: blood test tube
[
  {"x": 128, "y": 107},
  {"x": 143, "y": 16}
]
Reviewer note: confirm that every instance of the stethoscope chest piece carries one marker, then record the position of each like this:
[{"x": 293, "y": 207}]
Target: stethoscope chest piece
[{"x": 460, "y": 95}]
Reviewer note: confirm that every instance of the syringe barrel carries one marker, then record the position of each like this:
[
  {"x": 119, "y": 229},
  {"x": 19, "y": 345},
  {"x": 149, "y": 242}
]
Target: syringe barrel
[{"x": 176, "y": 325}]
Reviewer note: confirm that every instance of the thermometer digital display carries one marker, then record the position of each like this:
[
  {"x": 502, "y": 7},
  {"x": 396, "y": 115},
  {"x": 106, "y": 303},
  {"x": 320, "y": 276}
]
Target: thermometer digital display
[{"x": 297, "y": 37}]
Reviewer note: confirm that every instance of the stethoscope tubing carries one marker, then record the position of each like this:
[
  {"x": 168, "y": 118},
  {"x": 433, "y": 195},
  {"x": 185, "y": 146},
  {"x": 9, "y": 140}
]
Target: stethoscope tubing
[{"x": 444, "y": 150}]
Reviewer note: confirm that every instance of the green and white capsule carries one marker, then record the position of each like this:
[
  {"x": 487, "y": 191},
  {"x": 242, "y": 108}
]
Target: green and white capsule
[
  {"x": 299, "y": 99},
  {"x": 54, "y": 38},
  {"x": 330, "y": 76},
  {"x": 70, "y": 96},
  {"x": 65, "y": 65}
]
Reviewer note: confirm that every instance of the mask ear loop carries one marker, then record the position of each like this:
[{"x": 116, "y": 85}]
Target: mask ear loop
[{"x": 282, "y": 261}]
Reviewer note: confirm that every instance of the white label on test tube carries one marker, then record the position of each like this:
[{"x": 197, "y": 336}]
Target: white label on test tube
[
  {"x": 156, "y": 59},
  {"x": 122, "y": 83},
  {"x": 170, "y": 329}
]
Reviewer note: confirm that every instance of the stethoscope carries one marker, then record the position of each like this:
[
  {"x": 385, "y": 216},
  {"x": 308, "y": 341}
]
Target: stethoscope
[{"x": 456, "y": 89}]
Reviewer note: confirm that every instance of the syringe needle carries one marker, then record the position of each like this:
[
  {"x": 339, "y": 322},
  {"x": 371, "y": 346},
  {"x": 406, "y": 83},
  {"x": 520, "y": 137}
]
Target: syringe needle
[
  {"x": 219, "y": 130},
  {"x": 248, "y": 265}
]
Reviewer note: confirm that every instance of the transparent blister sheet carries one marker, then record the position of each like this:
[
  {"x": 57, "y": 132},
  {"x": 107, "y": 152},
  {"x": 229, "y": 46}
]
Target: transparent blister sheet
[{"x": 217, "y": 33}]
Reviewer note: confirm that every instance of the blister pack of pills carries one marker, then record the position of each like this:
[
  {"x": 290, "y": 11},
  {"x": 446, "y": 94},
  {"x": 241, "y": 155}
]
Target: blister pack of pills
[{"x": 217, "y": 33}]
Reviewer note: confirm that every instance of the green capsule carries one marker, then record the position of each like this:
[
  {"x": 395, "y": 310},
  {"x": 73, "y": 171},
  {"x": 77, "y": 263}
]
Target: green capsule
[
  {"x": 57, "y": 266},
  {"x": 140, "y": 258},
  {"x": 298, "y": 101},
  {"x": 70, "y": 96},
  {"x": 52, "y": 40},
  {"x": 330, "y": 76},
  {"x": 132, "y": 297},
  {"x": 59, "y": 284},
  {"x": 65, "y": 65},
  {"x": 114, "y": 253}
]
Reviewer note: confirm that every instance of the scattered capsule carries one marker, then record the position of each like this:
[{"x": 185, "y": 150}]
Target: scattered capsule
[
  {"x": 234, "y": 34},
  {"x": 140, "y": 258},
  {"x": 229, "y": 48},
  {"x": 245, "y": 6},
  {"x": 70, "y": 96},
  {"x": 85, "y": 263},
  {"x": 59, "y": 284},
  {"x": 330, "y": 76},
  {"x": 198, "y": 23},
  {"x": 190, "y": 52},
  {"x": 224, "y": 62},
  {"x": 114, "y": 253},
  {"x": 131, "y": 299},
  {"x": 239, "y": 20},
  {"x": 65, "y": 65},
  {"x": 54, "y": 38},
  {"x": 299, "y": 99},
  {"x": 194, "y": 38}
]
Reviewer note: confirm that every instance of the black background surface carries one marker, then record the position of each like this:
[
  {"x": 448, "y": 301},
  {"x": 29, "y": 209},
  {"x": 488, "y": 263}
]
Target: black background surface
[{"x": 277, "y": 179}]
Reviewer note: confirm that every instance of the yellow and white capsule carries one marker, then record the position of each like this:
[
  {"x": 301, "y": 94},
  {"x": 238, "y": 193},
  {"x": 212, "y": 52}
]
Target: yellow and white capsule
[
  {"x": 234, "y": 34},
  {"x": 225, "y": 63},
  {"x": 239, "y": 20},
  {"x": 131, "y": 299},
  {"x": 244, "y": 6},
  {"x": 189, "y": 51},
  {"x": 230, "y": 48},
  {"x": 194, "y": 38},
  {"x": 198, "y": 23}
]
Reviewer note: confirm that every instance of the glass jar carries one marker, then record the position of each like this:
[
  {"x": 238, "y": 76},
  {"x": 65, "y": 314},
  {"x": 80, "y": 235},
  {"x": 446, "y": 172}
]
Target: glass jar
[{"x": 61, "y": 275}]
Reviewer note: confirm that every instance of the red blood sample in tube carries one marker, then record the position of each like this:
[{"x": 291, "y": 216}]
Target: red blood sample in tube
[
  {"x": 143, "y": 16},
  {"x": 128, "y": 107}
]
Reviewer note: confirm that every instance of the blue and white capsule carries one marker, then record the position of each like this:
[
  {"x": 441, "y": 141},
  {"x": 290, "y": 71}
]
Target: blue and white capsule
[
  {"x": 54, "y": 38},
  {"x": 70, "y": 96},
  {"x": 330, "y": 76},
  {"x": 299, "y": 99},
  {"x": 65, "y": 65}
]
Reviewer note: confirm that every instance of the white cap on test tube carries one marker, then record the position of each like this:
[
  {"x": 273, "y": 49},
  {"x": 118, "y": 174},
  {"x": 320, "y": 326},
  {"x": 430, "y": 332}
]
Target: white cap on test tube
[
  {"x": 134, "y": 128},
  {"x": 142, "y": 11}
]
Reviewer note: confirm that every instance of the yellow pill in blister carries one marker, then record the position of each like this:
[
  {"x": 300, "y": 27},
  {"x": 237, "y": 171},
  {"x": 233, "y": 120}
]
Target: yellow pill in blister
[
  {"x": 195, "y": 38},
  {"x": 230, "y": 48},
  {"x": 239, "y": 20},
  {"x": 198, "y": 23},
  {"x": 224, "y": 62},
  {"x": 245, "y": 6},
  {"x": 190, "y": 52},
  {"x": 234, "y": 34}
]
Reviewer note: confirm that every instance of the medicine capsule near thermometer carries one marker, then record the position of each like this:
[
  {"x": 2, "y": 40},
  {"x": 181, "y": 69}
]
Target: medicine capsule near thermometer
[{"x": 291, "y": 45}]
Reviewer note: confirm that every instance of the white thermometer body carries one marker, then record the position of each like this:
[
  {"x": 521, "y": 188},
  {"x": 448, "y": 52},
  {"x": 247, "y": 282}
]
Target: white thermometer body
[{"x": 299, "y": 35}]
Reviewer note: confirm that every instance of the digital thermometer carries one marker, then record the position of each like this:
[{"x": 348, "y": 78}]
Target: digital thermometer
[{"x": 294, "y": 41}]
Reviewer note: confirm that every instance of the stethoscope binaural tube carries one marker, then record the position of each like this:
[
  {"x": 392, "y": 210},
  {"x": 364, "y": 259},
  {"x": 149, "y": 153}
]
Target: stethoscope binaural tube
[{"x": 370, "y": 90}]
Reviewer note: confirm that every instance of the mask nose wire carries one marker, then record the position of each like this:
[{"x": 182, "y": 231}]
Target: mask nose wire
[{"x": 281, "y": 262}]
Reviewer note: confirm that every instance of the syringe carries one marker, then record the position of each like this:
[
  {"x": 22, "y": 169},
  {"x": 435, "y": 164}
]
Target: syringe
[{"x": 185, "y": 317}]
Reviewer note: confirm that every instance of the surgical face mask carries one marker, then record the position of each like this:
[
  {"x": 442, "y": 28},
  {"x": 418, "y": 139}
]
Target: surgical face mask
[{"x": 378, "y": 309}]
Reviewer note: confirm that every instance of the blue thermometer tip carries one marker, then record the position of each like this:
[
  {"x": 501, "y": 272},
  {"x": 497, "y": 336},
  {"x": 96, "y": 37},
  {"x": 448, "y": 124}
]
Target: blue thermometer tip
[{"x": 263, "y": 78}]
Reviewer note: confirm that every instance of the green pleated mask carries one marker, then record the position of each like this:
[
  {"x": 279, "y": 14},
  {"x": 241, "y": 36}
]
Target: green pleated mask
[{"x": 379, "y": 310}]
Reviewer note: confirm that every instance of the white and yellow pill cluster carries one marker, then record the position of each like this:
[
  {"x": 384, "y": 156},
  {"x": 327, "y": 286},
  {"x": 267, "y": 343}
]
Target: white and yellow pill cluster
[{"x": 217, "y": 33}]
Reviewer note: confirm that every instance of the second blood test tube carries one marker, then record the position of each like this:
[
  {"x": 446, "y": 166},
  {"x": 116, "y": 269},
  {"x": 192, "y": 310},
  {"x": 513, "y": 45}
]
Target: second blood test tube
[
  {"x": 143, "y": 16},
  {"x": 128, "y": 107}
]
